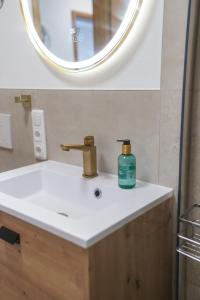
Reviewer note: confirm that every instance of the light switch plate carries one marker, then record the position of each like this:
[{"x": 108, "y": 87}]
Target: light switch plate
[
  {"x": 6, "y": 131},
  {"x": 39, "y": 134}
]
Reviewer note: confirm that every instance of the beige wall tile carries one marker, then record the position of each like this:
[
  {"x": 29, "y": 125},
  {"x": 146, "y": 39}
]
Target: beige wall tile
[
  {"x": 170, "y": 121},
  {"x": 174, "y": 32},
  {"x": 175, "y": 20},
  {"x": 22, "y": 153},
  {"x": 71, "y": 115}
]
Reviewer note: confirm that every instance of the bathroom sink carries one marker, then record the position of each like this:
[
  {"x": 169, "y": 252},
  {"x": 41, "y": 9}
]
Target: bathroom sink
[
  {"x": 54, "y": 196},
  {"x": 69, "y": 196}
]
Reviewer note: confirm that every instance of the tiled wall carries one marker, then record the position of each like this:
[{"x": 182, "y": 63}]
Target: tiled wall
[{"x": 150, "y": 118}]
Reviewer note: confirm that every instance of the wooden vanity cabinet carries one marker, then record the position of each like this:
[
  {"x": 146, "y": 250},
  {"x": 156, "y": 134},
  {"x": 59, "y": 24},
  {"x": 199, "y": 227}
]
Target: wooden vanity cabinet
[{"x": 133, "y": 263}]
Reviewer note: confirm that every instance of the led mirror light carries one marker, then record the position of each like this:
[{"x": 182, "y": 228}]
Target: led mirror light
[{"x": 131, "y": 13}]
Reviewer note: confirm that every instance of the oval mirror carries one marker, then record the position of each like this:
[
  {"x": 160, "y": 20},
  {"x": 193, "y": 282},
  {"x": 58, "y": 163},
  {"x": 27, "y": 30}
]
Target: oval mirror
[{"x": 76, "y": 35}]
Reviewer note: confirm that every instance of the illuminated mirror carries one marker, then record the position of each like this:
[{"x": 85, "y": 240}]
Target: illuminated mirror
[{"x": 76, "y": 35}]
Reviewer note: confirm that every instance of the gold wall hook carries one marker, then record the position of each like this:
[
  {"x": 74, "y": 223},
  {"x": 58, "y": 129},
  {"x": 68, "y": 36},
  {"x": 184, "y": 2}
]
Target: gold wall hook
[{"x": 25, "y": 100}]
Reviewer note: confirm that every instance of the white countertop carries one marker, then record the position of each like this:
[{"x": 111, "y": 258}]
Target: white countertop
[{"x": 61, "y": 185}]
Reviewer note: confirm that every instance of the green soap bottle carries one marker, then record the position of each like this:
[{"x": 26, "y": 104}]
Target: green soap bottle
[{"x": 126, "y": 166}]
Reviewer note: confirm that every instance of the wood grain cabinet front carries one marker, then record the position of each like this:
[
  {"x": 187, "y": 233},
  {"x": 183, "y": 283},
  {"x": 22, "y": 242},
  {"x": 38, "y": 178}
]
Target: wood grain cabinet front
[{"x": 133, "y": 263}]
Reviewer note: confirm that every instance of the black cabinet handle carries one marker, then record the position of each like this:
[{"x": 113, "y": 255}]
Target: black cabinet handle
[{"x": 9, "y": 236}]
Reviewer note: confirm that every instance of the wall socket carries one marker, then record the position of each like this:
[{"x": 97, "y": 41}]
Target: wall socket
[{"x": 39, "y": 134}]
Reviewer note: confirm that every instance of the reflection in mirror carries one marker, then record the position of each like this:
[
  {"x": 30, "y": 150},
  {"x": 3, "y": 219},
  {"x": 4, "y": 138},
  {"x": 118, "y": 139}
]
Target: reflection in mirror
[
  {"x": 1, "y": 3},
  {"x": 76, "y": 30}
]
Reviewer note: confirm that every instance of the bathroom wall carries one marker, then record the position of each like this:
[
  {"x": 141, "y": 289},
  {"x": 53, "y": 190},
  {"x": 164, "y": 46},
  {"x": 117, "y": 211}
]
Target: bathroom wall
[
  {"x": 150, "y": 118},
  {"x": 136, "y": 64}
]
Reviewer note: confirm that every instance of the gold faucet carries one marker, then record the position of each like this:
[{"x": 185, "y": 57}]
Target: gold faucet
[{"x": 89, "y": 156}]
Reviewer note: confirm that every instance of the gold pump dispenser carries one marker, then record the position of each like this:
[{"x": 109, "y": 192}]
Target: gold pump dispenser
[
  {"x": 126, "y": 166},
  {"x": 126, "y": 146}
]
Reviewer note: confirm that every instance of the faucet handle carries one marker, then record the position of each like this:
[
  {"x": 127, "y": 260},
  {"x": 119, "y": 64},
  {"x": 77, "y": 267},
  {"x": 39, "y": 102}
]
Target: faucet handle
[
  {"x": 89, "y": 141},
  {"x": 64, "y": 147}
]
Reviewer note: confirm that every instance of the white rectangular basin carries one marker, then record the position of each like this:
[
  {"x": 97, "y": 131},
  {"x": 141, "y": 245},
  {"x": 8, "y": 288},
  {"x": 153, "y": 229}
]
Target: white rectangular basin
[
  {"x": 55, "y": 197},
  {"x": 61, "y": 193}
]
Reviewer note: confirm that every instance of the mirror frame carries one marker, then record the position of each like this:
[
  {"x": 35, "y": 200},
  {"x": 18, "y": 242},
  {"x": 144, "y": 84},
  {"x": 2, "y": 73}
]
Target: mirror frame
[{"x": 99, "y": 58}]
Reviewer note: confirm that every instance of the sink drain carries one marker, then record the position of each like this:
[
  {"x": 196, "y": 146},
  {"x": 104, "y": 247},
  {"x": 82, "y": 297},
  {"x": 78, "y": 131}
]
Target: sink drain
[
  {"x": 97, "y": 193},
  {"x": 63, "y": 214}
]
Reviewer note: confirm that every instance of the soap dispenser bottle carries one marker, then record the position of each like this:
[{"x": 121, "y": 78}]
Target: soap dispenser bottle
[{"x": 126, "y": 166}]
